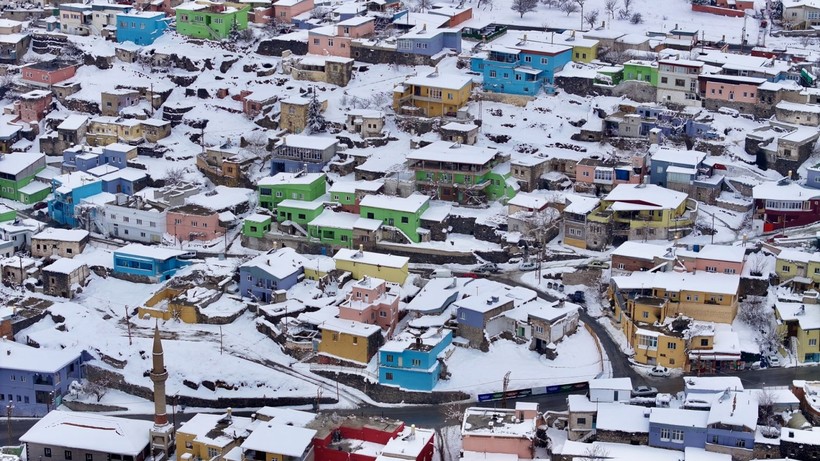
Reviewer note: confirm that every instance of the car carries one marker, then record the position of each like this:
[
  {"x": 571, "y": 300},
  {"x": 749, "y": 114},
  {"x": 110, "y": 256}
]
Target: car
[
  {"x": 659, "y": 371},
  {"x": 40, "y": 205},
  {"x": 441, "y": 274},
  {"x": 774, "y": 361},
  {"x": 577, "y": 297},
  {"x": 527, "y": 266},
  {"x": 488, "y": 268},
  {"x": 644, "y": 391}
]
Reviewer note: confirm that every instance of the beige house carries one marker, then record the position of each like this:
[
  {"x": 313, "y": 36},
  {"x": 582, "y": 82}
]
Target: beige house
[
  {"x": 582, "y": 415},
  {"x": 65, "y": 243},
  {"x": 367, "y": 123},
  {"x": 803, "y": 14},
  {"x": 293, "y": 116},
  {"x": 62, "y": 277}
]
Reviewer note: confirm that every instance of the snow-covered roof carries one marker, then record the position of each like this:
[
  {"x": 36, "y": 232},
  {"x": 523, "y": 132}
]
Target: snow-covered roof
[
  {"x": 447, "y": 151},
  {"x": 216, "y": 430},
  {"x": 64, "y": 266},
  {"x": 645, "y": 195},
  {"x": 796, "y": 107},
  {"x": 807, "y": 315},
  {"x": 409, "y": 444},
  {"x": 374, "y": 259},
  {"x": 126, "y": 174},
  {"x": 280, "y": 264},
  {"x": 258, "y": 217},
  {"x": 624, "y": 418},
  {"x": 341, "y": 220},
  {"x": 350, "y": 187},
  {"x": 727, "y": 253},
  {"x": 676, "y": 282},
  {"x": 802, "y": 437},
  {"x": 356, "y": 21},
  {"x": 144, "y": 251},
  {"x": 434, "y": 295},
  {"x": 679, "y": 417},
  {"x": 447, "y": 82},
  {"x": 221, "y": 198},
  {"x": 14, "y": 163},
  {"x": 784, "y": 190},
  {"x": 618, "y": 384},
  {"x": 640, "y": 250},
  {"x": 287, "y": 416},
  {"x": 18, "y": 356},
  {"x": 581, "y": 403},
  {"x": 482, "y": 303},
  {"x": 712, "y": 383},
  {"x": 290, "y": 179},
  {"x": 410, "y": 204},
  {"x": 73, "y": 122},
  {"x": 734, "y": 409},
  {"x": 277, "y": 438},
  {"x": 350, "y": 327},
  {"x": 65, "y": 235},
  {"x": 70, "y": 181},
  {"x": 580, "y": 204},
  {"x": 678, "y": 156},
  {"x": 309, "y": 142},
  {"x": 91, "y": 432},
  {"x": 531, "y": 200}
]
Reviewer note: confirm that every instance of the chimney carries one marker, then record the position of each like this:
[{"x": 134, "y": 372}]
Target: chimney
[
  {"x": 412, "y": 431},
  {"x": 229, "y": 412}
]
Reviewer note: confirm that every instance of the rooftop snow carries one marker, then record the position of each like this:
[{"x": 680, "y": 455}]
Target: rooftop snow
[
  {"x": 350, "y": 327},
  {"x": 678, "y": 156},
  {"x": 641, "y": 250},
  {"x": 677, "y": 282},
  {"x": 17, "y": 356},
  {"x": 447, "y": 82},
  {"x": 734, "y": 409},
  {"x": 14, "y": 163},
  {"x": 280, "y": 264},
  {"x": 374, "y": 259},
  {"x": 712, "y": 383},
  {"x": 274, "y": 437},
  {"x": 679, "y": 417},
  {"x": 447, "y": 151},
  {"x": 580, "y": 204},
  {"x": 624, "y": 418},
  {"x": 309, "y": 142},
  {"x": 532, "y": 200},
  {"x": 784, "y": 190},
  {"x": 647, "y": 194},
  {"x": 152, "y": 252},
  {"x": 91, "y": 432},
  {"x": 620, "y": 384},
  {"x": 64, "y": 266},
  {"x": 807, "y": 315},
  {"x": 410, "y": 204},
  {"x": 66, "y": 235},
  {"x": 73, "y": 122},
  {"x": 290, "y": 179}
]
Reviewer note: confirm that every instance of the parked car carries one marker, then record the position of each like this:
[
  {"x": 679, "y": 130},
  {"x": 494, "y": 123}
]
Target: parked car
[
  {"x": 527, "y": 266},
  {"x": 488, "y": 268},
  {"x": 578, "y": 297},
  {"x": 40, "y": 205},
  {"x": 441, "y": 274},
  {"x": 659, "y": 371},
  {"x": 774, "y": 361},
  {"x": 644, "y": 391}
]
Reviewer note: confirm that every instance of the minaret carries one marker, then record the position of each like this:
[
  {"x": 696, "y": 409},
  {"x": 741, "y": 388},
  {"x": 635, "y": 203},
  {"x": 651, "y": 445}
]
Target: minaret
[{"x": 162, "y": 433}]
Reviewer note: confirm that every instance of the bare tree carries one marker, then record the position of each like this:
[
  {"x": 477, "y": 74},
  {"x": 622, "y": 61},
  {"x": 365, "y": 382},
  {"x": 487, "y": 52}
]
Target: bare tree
[
  {"x": 610, "y": 6},
  {"x": 569, "y": 8},
  {"x": 581, "y": 4},
  {"x": 175, "y": 175},
  {"x": 627, "y": 5},
  {"x": 98, "y": 387},
  {"x": 487, "y": 4},
  {"x": 524, "y": 6},
  {"x": 757, "y": 264},
  {"x": 596, "y": 453},
  {"x": 591, "y": 18},
  {"x": 422, "y": 6},
  {"x": 637, "y": 18},
  {"x": 452, "y": 412}
]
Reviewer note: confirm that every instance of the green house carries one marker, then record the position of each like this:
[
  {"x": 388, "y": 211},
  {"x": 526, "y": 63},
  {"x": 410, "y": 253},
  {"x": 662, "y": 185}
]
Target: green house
[
  {"x": 349, "y": 193},
  {"x": 7, "y": 214},
  {"x": 342, "y": 230},
  {"x": 17, "y": 170},
  {"x": 212, "y": 21},
  {"x": 643, "y": 71},
  {"x": 256, "y": 225},
  {"x": 460, "y": 173},
  {"x": 300, "y": 212},
  {"x": 403, "y": 214},
  {"x": 293, "y": 186}
]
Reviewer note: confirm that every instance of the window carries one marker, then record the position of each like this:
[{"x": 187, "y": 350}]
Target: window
[
  {"x": 785, "y": 268},
  {"x": 645, "y": 314},
  {"x": 435, "y": 93},
  {"x": 315, "y": 41},
  {"x": 538, "y": 329},
  {"x": 382, "y": 314},
  {"x": 388, "y": 376},
  {"x": 416, "y": 362},
  {"x": 664, "y": 80},
  {"x": 647, "y": 342},
  {"x": 47, "y": 452},
  {"x": 672, "y": 346},
  {"x": 492, "y": 74},
  {"x": 355, "y": 340},
  {"x": 813, "y": 342},
  {"x": 405, "y": 220},
  {"x": 714, "y": 439},
  {"x": 704, "y": 342},
  {"x": 139, "y": 221},
  {"x": 388, "y": 358},
  {"x": 582, "y": 421},
  {"x": 67, "y": 454},
  {"x": 738, "y": 443},
  {"x": 527, "y": 58},
  {"x": 153, "y": 224},
  {"x": 665, "y": 434},
  {"x": 728, "y": 271},
  {"x": 212, "y": 452},
  {"x": 89, "y": 457}
]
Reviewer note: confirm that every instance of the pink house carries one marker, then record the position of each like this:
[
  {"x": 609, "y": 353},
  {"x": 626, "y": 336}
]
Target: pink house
[
  {"x": 370, "y": 302},
  {"x": 734, "y": 91},
  {"x": 335, "y": 40},
  {"x": 501, "y": 431},
  {"x": 47, "y": 73},
  {"x": 34, "y": 105},
  {"x": 721, "y": 259},
  {"x": 285, "y": 10},
  {"x": 193, "y": 222},
  {"x": 604, "y": 175}
]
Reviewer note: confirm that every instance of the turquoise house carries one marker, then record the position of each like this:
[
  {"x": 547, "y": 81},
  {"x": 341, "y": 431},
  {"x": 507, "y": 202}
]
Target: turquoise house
[
  {"x": 414, "y": 362},
  {"x": 69, "y": 189},
  {"x": 141, "y": 27},
  {"x": 155, "y": 263},
  {"x": 525, "y": 68}
]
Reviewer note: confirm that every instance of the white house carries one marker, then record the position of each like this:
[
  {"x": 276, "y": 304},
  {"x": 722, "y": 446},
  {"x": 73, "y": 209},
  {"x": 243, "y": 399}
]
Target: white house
[{"x": 610, "y": 390}]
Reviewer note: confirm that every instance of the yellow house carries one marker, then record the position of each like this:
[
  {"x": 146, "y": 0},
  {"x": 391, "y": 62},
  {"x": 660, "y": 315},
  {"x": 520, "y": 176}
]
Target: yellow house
[
  {"x": 800, "y": 322},
  {"x": 211, "y": 437},
  {"x": 318, "y": 267},
  {"x": 105, "y": 130},
  {"x": 275, "y": 441},
  {"x": 799, "y": 267},
  {"x": 350, "y": 340},
  {"x": 645, "y": 212},
  {"x": 652, "y": 345},
  {"x": 366, "y": 263},
  {"x": 432, "y": 96}
]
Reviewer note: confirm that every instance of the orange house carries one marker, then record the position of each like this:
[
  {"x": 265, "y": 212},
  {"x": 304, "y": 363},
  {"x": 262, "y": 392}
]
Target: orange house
[
  {"x": 285, "y": 10},
  {"x": 34, "y": 105},
  {"x": 47, "y": 73},
  {"x": 370, "y": 302},
  {"x": 193, "y": 222}
]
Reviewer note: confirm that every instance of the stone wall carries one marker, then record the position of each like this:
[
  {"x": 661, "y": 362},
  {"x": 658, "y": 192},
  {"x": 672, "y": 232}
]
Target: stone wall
[
  {"x": 389, "y": 394},
  {"x": 803, "y": 452},
  {"x": 742, "y": 107},
  {"x": 376, "y": 55},
  {"x": 276, "y": 47},
  {"x": 753, "y": 287},
  {"x": 629, "y": 438},
  {"x": 636, "y": 91}
]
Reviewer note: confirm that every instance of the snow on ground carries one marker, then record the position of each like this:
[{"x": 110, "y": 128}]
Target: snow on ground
[{"x": 478, "y": 372}]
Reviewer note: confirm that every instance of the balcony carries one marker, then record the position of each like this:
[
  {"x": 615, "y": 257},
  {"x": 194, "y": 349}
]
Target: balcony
[
  {"x": 601, "y": 216},
  {"x": 41, "y": 380}
]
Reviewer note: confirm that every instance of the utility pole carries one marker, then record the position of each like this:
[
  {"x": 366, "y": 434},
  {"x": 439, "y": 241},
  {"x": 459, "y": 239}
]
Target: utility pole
[
  {"x": 9, "y": 410},
  {"x": 174, "y": 411},
  {"x": 128, "y": 324},
  {"x": 220, "y": 339}
]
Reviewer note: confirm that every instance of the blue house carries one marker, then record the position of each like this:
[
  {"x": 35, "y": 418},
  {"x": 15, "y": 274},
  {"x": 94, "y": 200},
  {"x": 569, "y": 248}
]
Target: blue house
[
  {"x": 122, "y": 181},
  {"x": 676, "y": 166},
  {"x": 85, "y": 158},
  {"x": 429, "y": 42},
  {"x": 263, "y": 275},
  {"x": 677, "y": 429},
  {"x": 474, "y": 312},
  {"x": 414, "y": 362},
  {"x": 142, "y": 27},
  {"x": 155, "y": 263},
  {"x": 524, "y": 68},
  {"x": 732, "y": 423},
  {"x": 813, "y": 176},
  {"x": 68, "y": 190},
  {"x": 36, "y": 379}
]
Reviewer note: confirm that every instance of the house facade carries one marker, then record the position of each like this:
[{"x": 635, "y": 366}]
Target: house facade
[
  {"x": 298, "y": 152},
  {"x": 402, "y": 214},
  {"x": 65, "y": 243},
  {"x": 265, "y": 274},
  {"x": 678, "y": 82},
  {"x": 154, "y": 264},
  {"x": 371, "y": 302},
  {"x": 140, "y": 27},
  {"x": 47, "y": 73},
  {"x": 432, "y": 96},
  {"x": 524, "y": 68},
  {"x": 364, "y": 263},
  {"x": 211, "y": 21},
  {"x": 61, "y": 277},
  {"x": 294, "y": 186},
  {"x": 349, "y": 340},
  {"x": 36, "y": 379},
  {"x": 17, "y": 170},
  {"x": 414, "y": 362},
  {"x": 783, "y": 204},
  {"x": 68, "y": 190}
]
